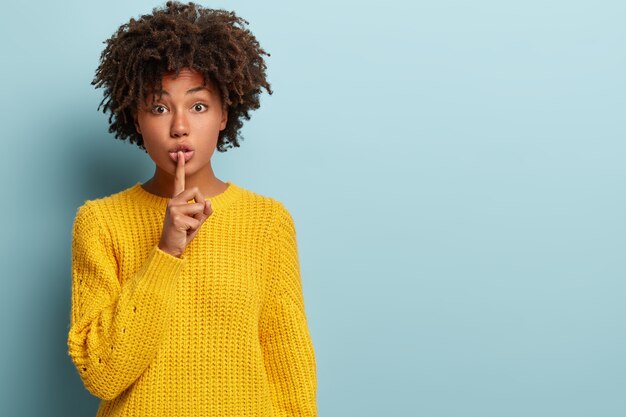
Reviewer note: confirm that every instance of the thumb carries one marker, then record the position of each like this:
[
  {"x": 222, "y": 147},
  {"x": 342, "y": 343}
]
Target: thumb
[
  {"x": 208, "y": 208},
  {"x": 206, "y": 212}
]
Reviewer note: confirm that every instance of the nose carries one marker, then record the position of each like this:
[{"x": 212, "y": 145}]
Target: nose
[{"x": 180, "y": 125}]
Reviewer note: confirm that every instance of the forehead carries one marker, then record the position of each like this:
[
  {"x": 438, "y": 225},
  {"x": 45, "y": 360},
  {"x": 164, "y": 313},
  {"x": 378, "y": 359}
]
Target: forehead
[
  {"x": 182, "y": 82},
  {"x": 185, "y": 76}
]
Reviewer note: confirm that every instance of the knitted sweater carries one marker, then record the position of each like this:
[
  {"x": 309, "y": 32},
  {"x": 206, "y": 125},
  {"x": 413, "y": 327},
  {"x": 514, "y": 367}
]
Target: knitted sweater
[{"x": 220, "y": 331}]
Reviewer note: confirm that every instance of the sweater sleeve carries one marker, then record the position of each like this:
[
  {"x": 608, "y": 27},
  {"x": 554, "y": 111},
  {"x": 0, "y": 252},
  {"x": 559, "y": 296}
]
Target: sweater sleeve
[
  {"x": 285, "y": 339},
  {"x": 115, "y": 330}
]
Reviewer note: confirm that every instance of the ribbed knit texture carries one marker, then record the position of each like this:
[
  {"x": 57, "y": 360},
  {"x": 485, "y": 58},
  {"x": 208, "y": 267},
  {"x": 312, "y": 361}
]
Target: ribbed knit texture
[{"x": 220, "y": 331}]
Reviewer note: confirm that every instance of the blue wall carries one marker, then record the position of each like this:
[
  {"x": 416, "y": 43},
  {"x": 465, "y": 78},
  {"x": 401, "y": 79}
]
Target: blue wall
[{"x": 455, "y": 169}]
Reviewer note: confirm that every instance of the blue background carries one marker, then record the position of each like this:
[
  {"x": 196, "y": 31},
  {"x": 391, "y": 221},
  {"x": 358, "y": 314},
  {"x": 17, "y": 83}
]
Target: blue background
[{"x": 455, "y": 171}]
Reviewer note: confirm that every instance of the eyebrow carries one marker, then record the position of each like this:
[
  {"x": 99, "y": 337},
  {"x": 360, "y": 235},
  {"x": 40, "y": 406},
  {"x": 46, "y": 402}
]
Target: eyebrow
[{"x": 190, "y": 91}]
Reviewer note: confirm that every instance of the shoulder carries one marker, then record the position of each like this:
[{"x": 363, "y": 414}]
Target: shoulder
[
  {"x": 262, "y": 202},
  {"x": 274, "y": 209},
  {"x": 93, "y": 210},
  {"x": 272, "y": 205}
]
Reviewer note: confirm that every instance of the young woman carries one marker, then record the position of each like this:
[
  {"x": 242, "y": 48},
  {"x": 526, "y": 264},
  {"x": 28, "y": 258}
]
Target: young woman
[{"x": 186, "y": 290}]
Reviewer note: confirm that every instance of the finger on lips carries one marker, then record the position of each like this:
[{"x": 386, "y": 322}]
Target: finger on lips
[
  {"x": 179, "y": 178},
  {"x": 201, "y": 206}
]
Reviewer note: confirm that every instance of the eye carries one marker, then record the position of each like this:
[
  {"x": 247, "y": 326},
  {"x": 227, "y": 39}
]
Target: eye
[
  {"x": 200, "y": 107},
  {"x": 158, "y": 109}
]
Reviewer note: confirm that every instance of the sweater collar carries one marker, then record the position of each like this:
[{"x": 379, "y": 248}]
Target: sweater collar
[{"x": 218, "y": 202}]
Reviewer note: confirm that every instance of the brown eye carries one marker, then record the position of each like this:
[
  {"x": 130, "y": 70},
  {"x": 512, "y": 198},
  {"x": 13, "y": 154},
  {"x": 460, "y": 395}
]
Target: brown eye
[
  {"x": 158, "y": 109},
  {"x": 199, "y": 107}
]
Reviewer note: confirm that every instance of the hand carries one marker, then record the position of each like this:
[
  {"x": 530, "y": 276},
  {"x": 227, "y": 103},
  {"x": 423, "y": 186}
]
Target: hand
[{"x": 183, "y": 219}]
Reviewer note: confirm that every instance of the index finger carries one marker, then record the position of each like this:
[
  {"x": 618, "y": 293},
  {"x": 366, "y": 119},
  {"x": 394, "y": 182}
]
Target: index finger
[{"x": 179, "y": 179}]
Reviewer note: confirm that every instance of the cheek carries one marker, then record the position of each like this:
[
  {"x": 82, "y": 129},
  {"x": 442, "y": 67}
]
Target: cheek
[
  {"x": 152, "y": 153},
  {"x": 150, "y": 131},
  {"x": 151, "y": 139},
  {"x": 147, "y": 128}
]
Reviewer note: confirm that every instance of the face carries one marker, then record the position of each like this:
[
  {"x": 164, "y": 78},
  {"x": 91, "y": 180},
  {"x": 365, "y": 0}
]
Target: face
[{"x": 189, "y": 113}]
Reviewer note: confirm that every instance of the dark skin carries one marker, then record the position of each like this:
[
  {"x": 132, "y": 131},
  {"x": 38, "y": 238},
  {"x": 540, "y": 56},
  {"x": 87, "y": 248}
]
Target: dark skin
[
  {"x": 214, "y": 42},
  {"x": 183, "y": 219},
  {"x": 188, "y": 112}
]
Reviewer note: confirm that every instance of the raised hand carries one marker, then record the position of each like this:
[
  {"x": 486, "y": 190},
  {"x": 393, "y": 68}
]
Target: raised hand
[{"x": 183, "y": 219}]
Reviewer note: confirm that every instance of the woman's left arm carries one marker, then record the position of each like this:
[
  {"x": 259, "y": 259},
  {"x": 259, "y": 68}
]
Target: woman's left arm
[{"x": 285, "y": 339}]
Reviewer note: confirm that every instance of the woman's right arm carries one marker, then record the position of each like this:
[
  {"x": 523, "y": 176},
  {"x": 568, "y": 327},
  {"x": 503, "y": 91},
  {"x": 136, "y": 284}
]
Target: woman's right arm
[{"x": 115, "y": 330}]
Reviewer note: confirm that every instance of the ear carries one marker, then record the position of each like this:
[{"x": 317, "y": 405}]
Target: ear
[
  {"x": 224, "y": 118},
  {"x": 137, "y": 127}
]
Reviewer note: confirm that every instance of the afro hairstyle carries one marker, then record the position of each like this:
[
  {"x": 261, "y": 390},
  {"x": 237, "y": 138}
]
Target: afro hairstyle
[{"x": 214, "y": 42}]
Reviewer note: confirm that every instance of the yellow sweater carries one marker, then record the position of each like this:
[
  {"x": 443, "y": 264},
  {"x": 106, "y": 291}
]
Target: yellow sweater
[{"x": 220, "y": 331}]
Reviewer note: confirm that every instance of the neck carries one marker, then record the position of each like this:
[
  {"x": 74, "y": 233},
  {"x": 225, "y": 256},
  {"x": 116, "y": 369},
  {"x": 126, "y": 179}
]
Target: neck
[{"x": 162, "y": 183}]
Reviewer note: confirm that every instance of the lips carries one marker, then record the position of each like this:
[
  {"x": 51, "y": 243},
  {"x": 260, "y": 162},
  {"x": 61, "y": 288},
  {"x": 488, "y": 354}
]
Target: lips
[
  {"x": 174, "y": 156},
  {"x": 181, "y": 147}
]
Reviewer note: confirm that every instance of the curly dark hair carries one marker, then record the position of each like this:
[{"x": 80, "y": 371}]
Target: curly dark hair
[{"x": 213, "y": 42}]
